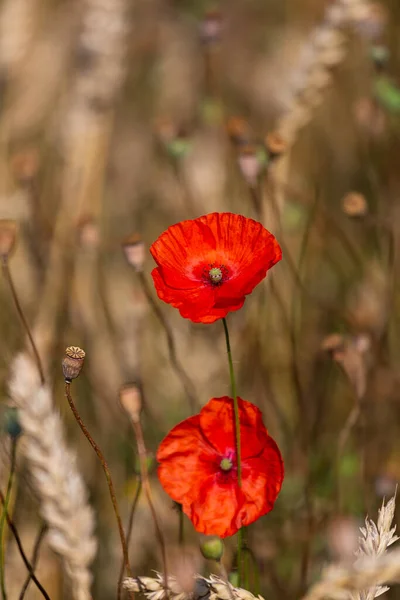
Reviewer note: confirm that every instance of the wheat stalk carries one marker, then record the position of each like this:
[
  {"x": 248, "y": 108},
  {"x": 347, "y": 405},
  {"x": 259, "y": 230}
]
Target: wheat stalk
[
  {"x": 213, "y": 588},
  {"x": 55, "y": 477},
  {"x": 362, "y": 581}
]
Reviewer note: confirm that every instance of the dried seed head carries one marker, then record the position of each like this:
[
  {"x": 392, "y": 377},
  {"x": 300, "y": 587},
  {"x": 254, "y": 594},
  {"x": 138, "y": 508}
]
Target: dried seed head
[
  {"x": 133, "y": 248},
  {"x": 212, "y": 548},
  {"x": 72, "y": 362},
  {"x": 130, "y": 398},
  {"x": 211, "y": 27},
  {"x": 354, "y": 204},
  {"x": 249, "y": 164},
  {"x": 8, "y": 236},
  {"x": 238, "y": 130},
  {"x": 88, "y": 232},
  {"x": 333, "y": 342},
  {"x": 275, "y": 144}
]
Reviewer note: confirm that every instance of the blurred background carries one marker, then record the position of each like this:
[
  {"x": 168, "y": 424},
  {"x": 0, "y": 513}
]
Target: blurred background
[{"x": 121, "y": 117}]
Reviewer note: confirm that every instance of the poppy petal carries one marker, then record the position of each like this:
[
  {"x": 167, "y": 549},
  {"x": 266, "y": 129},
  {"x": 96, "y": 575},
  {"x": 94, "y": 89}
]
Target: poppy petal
[
  {"x": 218, "y": 416},
  {"x": 261, "y": 482},
  {"x": 215, "y": 509},
  {"x": 196, "y": 300},
  {"x": 179, "y": 249},
  {"x": 185, "y": 458}
]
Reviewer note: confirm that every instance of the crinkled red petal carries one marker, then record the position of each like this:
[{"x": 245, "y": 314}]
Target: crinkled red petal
[
  {"x": 215, "y": 509},
  {"x": 218, "y": 426},
  {"x": 185, "y": 460}
]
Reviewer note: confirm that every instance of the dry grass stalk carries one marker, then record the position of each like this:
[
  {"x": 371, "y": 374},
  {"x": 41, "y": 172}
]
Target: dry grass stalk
[
  {"x": 326, "y": 50},
  {"x": 213, "y": 588},
  {"x": 56, "y": 480},
  {"x": 363, "y": 580}
]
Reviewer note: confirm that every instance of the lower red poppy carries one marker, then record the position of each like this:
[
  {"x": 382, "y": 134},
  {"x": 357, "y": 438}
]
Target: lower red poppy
[{"x": 198, "y": 467}]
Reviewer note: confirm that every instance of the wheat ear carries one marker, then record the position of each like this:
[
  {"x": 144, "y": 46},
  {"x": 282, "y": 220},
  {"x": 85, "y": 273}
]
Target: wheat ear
[
  {"x": 373, "y": 566},
  {"x": 55, "y": 477},
  {"x": 213, "y": 588}
]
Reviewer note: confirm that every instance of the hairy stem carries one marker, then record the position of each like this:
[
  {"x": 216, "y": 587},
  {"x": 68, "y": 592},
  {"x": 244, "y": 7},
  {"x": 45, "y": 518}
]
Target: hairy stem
[
  {"x": 130, "y": 527},
  {"x": 10, "y": 281},
  {"x": 237, "y": 438},
  {"x": 108, "y": 477}
]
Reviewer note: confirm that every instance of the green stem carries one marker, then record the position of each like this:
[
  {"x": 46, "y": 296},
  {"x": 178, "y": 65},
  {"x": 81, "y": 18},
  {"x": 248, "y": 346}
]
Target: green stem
[
  {"x": 3, "y": 516},
  {"x": 181, "y": 532},
  {"x": 237, "y": 439}
]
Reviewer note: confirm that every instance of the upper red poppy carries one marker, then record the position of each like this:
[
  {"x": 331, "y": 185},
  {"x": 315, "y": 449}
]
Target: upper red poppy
[
  {"x": 198, "y": 468},
  {"x": 208, "y": 265}
]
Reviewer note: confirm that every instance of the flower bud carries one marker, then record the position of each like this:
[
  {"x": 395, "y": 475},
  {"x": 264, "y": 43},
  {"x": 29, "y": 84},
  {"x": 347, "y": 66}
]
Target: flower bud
[
  {"x": 133, "y": 248},
  {"x": 211, "y": 27},
  {"x": 212, "y": 548},
  {"x": 12, "y": 425},
  {"x": 72, "y": 363},
  {"x": 8, "y": 236},
  {"x": 354, "y": 205},
  {"x": 275, "y": 144},
  {"x": 249, "y": 164},
  {"x": 130, "y": 398}
]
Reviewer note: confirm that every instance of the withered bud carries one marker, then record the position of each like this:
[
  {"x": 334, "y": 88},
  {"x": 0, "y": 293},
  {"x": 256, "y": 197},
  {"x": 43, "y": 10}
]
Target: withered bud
[
  {"x": 238, "y": 130},
  {"x": 130, "y": 398},
  {"x": 72, "y": 363},
  {"x": 133, "y": 248},
  {"x": 354, "y": 204},
  {"x": 275, "y": 144},
  {"x": 212, "y": 548},
  {"x": 8, "y": 236},
  {"x": 333, "y": 342},
  {"x": 88, "y": 232},
  {"x": 211, "y": 27},
  {"x": 25, "y": 164},
  {"x": 249, "y": 164}
]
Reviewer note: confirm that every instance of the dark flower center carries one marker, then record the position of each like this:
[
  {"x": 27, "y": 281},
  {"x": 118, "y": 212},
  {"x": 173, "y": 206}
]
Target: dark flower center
[
  {"x": 226, "y": 464},
  {"x": 215, "y": 274}
]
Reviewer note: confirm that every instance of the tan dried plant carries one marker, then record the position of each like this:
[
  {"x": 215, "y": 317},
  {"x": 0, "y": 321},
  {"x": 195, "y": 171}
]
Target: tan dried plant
[
  {"x": 212, "y": 588},
  {"x": 373, "y": 567},
  {"x": 55, "y": 477}
]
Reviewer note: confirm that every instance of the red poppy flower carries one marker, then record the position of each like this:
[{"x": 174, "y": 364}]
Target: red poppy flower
[
  {"x": 208, "y": 265},
  {"x": 198, "y": 469}
]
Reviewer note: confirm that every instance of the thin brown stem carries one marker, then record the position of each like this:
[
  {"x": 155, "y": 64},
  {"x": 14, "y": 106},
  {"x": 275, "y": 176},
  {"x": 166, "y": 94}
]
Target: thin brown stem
[
  {"x": 27, "y": 564},
  {"x": 7, "y": 274},
  {"x": 178, "y": 368},
  {"x": 130, "y": 526},
  {"x": 35, "y": 558},
  {"x": 108, "y": 477},
  {"x": 144, "y": 473}
]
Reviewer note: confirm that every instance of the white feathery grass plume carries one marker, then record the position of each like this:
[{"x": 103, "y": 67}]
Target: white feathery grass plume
[
  {"x": 375, "y": 540},
  {"x": 373, "y": 567},
  {"x": 55, "y": 477},
  {"x": 213, "y": 588}
]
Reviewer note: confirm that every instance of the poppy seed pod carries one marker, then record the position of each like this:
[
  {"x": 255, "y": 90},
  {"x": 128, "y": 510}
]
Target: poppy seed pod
[
  {"x": 8, "y": 236},
  {"x": 133, "y": 248},
  {"x": 72, "y": 363}
]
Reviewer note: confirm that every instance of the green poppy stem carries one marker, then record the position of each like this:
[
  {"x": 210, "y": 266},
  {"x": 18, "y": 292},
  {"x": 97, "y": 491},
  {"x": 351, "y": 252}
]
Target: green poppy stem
[{"x": 237, "y": 438}]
